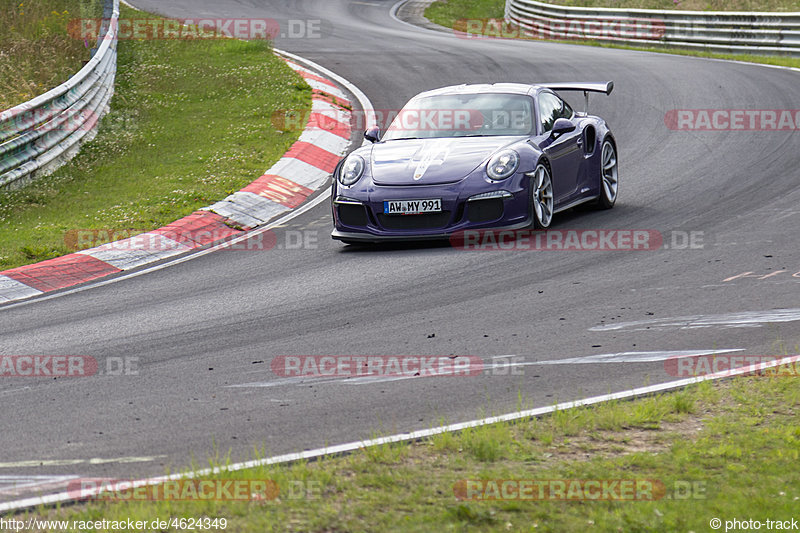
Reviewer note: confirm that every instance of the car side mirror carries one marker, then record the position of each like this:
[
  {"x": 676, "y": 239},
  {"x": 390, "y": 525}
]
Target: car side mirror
[
  {"x": 373, "y": 134},
  {"x": 562, "y": 126}
]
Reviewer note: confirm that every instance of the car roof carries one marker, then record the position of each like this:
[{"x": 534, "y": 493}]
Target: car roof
[{"x": 477, "y": 88}]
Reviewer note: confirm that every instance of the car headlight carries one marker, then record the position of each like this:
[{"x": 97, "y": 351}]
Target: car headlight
[
  {"x": 503, "y": 164},
  {"x": 351, "y": 170}
]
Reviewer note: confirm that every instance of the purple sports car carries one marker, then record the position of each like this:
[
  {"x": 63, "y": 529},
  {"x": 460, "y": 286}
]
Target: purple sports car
[{"x": 473, "y": 157}]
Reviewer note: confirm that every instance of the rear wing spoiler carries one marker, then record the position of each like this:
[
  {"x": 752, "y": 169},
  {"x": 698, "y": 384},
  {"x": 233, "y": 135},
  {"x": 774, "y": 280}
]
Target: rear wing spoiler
[{"x": 595, "y": 87}]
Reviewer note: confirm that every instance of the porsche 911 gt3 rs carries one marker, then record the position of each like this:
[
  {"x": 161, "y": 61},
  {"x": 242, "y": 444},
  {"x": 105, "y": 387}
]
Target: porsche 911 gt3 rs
[{"x": 475, "y": 157}]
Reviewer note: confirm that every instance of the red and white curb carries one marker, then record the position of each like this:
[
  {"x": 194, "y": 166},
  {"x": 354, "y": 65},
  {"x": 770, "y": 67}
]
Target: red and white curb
[{"x": 287, "y": 184}]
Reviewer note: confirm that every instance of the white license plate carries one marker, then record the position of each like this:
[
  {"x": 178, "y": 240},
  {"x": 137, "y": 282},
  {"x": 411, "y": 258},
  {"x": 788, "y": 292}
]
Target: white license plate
[{"x": 412, "y": 207}]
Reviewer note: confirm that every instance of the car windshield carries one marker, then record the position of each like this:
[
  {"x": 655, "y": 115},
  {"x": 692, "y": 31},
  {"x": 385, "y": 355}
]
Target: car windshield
[{"x": 463, "y": 115}]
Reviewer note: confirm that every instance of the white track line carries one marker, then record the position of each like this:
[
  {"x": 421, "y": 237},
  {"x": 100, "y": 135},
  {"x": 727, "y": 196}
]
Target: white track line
[
  {"x": 393, "y": 14},
  {"x": 404, "y": 437}
]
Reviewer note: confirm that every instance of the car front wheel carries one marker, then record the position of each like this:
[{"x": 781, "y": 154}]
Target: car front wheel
[{"x": 542, "y": 197}]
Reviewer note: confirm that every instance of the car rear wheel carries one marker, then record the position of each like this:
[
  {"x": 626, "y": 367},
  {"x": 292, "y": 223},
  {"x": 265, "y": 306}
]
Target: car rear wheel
[
  {"x": 542, "y": 197},
  {"x": 609, "y": 175}
]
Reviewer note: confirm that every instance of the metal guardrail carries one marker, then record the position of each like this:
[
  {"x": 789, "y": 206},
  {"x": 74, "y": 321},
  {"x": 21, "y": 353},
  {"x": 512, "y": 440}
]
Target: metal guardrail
[
  {"x": 41, "y": 134},
  {"x": 717, "y": 31}
]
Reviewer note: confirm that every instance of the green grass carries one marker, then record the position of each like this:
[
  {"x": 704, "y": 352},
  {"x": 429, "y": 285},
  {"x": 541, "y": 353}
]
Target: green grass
[
  {"x": 718, "y": 450},
  {"x": 691, "y": 5},
  {"x": 448, "y": 13},
  {"x": 191, "y": 122},
  {"x": 36, "y": 52}
]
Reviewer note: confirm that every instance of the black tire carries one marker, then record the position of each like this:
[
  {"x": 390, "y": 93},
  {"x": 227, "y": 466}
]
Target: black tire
[
  {"x": 541, "y": 197},
  {"x": 609, "y": 175}
]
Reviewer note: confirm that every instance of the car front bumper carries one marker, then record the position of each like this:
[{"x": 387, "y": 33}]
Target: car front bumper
[{"x": 361, "y": 217}]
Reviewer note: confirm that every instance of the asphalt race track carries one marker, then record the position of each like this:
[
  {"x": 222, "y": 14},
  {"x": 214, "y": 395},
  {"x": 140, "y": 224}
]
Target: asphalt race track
[{"x": 202, "y": 333}]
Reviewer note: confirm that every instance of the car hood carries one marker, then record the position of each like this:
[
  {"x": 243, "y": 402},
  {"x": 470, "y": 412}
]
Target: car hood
[{"x": 431, "y": 161}]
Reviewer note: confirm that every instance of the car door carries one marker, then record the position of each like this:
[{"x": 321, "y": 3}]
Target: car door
[{"x": 564, "y": 151}]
